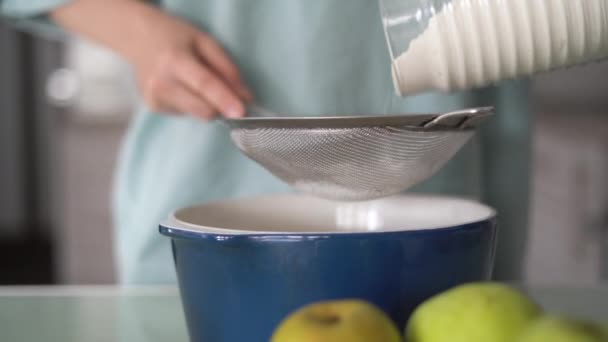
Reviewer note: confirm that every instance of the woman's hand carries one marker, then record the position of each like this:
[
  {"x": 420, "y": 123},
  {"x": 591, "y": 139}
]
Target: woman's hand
[
  {"x": 187, "y": 71},
  {"x": 179, "y": 68}
]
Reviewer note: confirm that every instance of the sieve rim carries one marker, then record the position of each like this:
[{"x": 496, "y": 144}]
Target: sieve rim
[{"x": 414, "y": 121}]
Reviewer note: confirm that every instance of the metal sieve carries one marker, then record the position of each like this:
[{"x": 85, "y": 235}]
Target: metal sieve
[{"x": 356, "y": 157}]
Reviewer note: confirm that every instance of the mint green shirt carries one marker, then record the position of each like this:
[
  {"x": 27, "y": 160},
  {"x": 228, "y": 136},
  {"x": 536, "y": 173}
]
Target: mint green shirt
[{"x": 301, "y": 57}]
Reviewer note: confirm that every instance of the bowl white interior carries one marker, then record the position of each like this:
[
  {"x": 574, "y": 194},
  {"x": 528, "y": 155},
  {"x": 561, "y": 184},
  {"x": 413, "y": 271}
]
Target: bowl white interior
[{"x": 291, "y": 213}]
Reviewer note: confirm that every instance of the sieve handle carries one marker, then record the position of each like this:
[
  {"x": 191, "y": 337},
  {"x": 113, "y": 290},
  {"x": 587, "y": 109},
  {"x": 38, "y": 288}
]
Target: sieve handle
[
  {"x": 251, "y": 111},
  {"x": 461, "y": 119},
  {"x": 254, "y": 110}
]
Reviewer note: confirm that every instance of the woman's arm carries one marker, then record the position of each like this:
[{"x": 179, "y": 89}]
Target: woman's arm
[{"x": 179, "y": 68}]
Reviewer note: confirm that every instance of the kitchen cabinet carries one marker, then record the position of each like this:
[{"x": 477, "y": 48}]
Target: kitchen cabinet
[{"x": 569, "y": 217}]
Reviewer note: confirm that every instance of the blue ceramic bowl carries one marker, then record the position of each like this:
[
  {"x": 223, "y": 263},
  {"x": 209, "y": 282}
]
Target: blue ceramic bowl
[{"x": 243, "y": 265}]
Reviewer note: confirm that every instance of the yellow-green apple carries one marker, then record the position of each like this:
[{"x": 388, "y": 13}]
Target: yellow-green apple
[{"x": 348, "y": 320}]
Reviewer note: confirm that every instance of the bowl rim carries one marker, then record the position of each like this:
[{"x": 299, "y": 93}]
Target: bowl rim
[{"x": 176, "y": 228}]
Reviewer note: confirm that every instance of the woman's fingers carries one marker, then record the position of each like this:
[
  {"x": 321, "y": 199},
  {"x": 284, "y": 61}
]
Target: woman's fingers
[
  {"x": 203, "y": 82},
  {"x": 214, "y": 55},
  {"x": 186, "y": 101},
  {"x": 172, "y": 96}
]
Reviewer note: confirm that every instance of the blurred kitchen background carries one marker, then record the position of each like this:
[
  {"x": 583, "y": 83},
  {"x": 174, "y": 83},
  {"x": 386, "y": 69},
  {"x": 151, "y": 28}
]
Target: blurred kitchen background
[{"x": 64, "y": 109}]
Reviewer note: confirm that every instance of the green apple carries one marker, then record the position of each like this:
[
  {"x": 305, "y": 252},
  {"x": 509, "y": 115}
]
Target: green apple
[
  {"x": 562, "y": 329},
  {"x": 476, "y": 312},
  {"x": 348, "y": 320}
]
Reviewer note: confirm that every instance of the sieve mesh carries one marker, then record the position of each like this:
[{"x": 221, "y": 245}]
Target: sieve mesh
[{"x": 363, "y": 160}]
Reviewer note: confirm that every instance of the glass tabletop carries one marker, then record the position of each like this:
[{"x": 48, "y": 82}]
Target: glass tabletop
[{"x": 66, "y": 314}]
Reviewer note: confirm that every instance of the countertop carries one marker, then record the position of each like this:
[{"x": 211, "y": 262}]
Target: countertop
[{"x": 110, "y": 313}]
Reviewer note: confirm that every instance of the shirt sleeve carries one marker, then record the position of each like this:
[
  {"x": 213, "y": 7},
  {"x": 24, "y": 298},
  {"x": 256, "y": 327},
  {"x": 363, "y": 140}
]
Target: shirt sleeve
[{"x": 32, "y": 15}]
